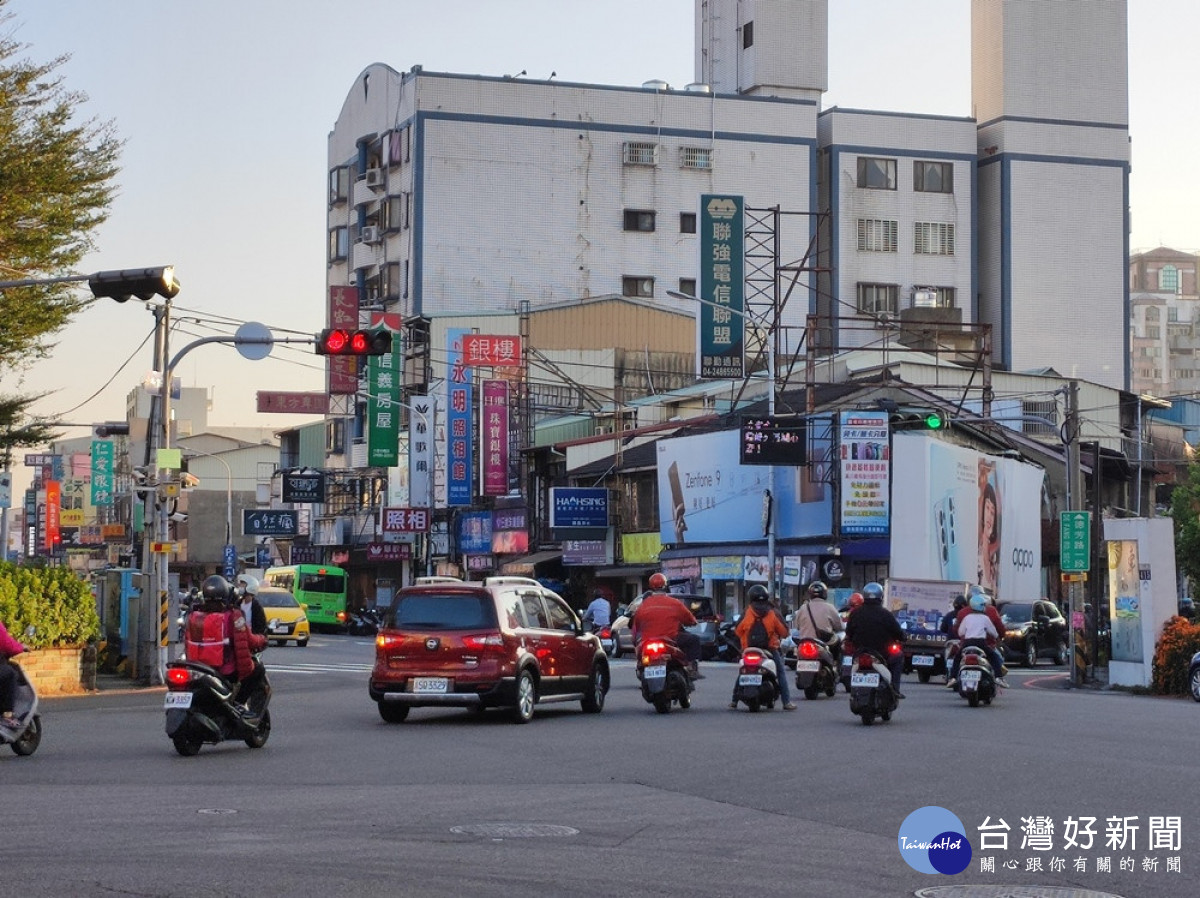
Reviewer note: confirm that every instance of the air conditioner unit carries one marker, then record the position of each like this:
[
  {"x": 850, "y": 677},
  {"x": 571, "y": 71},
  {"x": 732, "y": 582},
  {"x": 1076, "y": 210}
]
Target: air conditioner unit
[
  {"x": 370, "y": 234},
  {"x": 627, "y": 426},
  {"x": 603, "y": 429},
  {"x": 376, "y": 177}
]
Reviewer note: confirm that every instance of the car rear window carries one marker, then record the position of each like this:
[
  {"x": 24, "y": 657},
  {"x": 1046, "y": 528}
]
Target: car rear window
[
  {"x": 1017, "y": 614},
  {"x": 442, "y": 612},
  {"x": 277, "y": 600}
]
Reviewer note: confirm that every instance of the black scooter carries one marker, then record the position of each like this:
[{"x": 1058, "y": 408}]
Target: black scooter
[
  {"x": 871, "y": 691},
  {"x": 25, "y": 739},
  {"x": 816, "y": 667},
  {"x": 200, "y": 708},
  {"x": 662, "y": 668}
]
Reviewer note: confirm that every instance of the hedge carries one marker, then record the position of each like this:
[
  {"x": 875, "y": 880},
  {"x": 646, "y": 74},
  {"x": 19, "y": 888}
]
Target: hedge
[
  {"x": 1179, "y": 641},
  {"x": 53, "y": 600}
]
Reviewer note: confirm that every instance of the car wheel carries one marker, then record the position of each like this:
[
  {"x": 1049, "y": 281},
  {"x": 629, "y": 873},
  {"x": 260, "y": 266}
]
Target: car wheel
[
  {"x": 526, "y": 695},
  {"x": 262, "y": 732},
  {"x": 1062, "y": 657},
  {"x": 1031, "y": 654},
  {"x": 597, "y": 688},
  {"x": 392, "y": 712},
  {"x": 1194, "y": 683}
]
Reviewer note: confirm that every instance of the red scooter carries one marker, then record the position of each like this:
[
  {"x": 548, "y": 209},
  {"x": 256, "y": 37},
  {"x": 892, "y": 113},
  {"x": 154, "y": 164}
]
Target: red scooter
[{"x": 663, "y": 669}]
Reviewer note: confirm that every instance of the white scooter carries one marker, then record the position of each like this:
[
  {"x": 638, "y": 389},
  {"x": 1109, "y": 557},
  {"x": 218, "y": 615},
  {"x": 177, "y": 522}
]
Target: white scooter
[{"x": 25, "y": 739}]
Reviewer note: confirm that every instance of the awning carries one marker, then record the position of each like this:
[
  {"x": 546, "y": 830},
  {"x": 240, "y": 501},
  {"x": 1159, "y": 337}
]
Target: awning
[
  {"x": 626, "y": 570},
  {"x": 526, "y": 563}
]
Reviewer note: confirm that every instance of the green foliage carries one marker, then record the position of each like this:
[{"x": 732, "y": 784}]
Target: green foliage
[
  {"x": 1179, "y": 641},
  {"x": 53, "y": 600},
  {"x": 1185, "y": 509},
  {"x": 56, "y": 176}
]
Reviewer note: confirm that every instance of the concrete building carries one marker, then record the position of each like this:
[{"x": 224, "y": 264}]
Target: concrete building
[{"x": 1164, "y": 322}]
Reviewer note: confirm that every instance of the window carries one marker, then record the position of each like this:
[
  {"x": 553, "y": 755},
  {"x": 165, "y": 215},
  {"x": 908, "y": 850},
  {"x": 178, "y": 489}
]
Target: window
[
  {"x": 339, "y": 243},
  {"x": 933, "y": 238},
  {"x": 933, "y": 297},
  {"x": 876, "y": 235},
  {"x": 639, "y": 220},
  {"x": 560, "y": 616},
  {"x": 695, "y": 157},
  {"x": 642, "y": 287},
  {"x": 335, "y": 435},
  {"x": 339, "y": 184},
  {"x": 404, "y": 282},
  {"x": 876, "y": 174},
  {"x": 747, "y": 35},
  {"x": 933, "y": 177},
  {"x": 391, "y": 281},
  {"x": 1040, "y": 408},
  {"x": 392, "y": 212},
  {"x": 1153, "y": 332},
  {"x": 877, "y": 299},
  {"x": 688, "y": 286},
  {"x": 636, "y": 153},
  {"x": 687, "y": 222},
  {"x": 535, "y": 614},
  {"x": 1168, "y": 279}
]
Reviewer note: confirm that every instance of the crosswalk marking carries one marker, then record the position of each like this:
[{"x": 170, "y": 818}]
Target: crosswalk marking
[{"x": 318, "y": 668}]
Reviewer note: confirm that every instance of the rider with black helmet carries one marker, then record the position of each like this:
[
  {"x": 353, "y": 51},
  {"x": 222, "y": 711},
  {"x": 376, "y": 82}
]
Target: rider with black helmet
[
  {"x": 761, "y": 609},
  {"x": 873, "y": 627},
  {"x": 816, "y": 618}
]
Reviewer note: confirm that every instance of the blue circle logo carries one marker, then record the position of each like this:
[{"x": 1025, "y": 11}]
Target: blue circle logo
[{"x": 933, "y": 840}]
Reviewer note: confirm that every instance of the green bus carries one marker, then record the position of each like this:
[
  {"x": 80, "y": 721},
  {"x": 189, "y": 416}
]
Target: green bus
[{"x": 319, "y": 587}]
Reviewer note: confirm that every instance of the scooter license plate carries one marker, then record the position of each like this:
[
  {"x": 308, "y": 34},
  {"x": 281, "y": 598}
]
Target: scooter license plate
[
  {"x": 970, "y": 679},
  {"x": 178, "y": 700},
  {"x": 922, "y": 661},
  {"x": 606, "y": 644},
  {"x": 866, "y": 680},
  {"x": 750, "y": 679},
  {"x": 430, "y": 685},
  {"x": 657, "y": 672},
  {"x": 808, "y": 666}
]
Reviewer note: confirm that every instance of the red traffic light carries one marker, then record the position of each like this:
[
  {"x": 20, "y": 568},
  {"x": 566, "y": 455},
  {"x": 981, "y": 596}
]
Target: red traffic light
[{"x": 339, "y": 341}]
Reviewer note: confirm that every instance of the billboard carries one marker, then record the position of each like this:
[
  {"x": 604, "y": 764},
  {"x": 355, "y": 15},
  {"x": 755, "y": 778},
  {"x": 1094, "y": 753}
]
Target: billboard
[
  {"x": 722, "y": 286},
  {"x": 706, "y": 495},
  {"x": 964, "y": 515}
]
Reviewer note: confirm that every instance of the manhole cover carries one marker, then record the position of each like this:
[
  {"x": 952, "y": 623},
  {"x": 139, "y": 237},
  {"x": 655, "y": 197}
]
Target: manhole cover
[
  {"x": 514, "y": 830},
  {"x": 216, "y": 811},
  {"x": 1009, "y": 892}
]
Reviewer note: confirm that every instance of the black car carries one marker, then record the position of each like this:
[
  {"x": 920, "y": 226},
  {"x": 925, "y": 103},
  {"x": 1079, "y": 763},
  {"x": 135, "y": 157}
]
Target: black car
[{"x": 1033, "y": 630}]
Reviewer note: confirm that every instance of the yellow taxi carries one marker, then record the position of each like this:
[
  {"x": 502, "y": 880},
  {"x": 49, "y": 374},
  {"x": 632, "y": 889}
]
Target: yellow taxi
[{"x": 286, "y": 620}]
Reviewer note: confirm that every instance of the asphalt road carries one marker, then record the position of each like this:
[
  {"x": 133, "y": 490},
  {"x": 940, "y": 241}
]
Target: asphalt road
[{"x": 704, "y": 802}]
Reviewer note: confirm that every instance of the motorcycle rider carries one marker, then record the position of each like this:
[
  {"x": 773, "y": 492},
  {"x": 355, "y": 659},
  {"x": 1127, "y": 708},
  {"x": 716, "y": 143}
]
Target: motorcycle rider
[
  {"x": 8, "y": 678},
  {"x": 237, "y": 645},
  {"x": 872, "y": 627},
  {"x": 970, "y": 629},
  {"x": 598, "y": 614},
  {"x": 762, "y": 609},
  {"x": 818, "y": 619},
  {"x": 662, "y": 616},
  {"x": 251, "y": 609}
]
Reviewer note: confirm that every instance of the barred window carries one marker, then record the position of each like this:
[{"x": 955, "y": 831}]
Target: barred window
[
  {"x": 636, "y": 153},
  {"x": 933, "y": 238},
  {"x": 1040, "y": 408},
  {"x": 876, "y": 299},
  {"x": 695, "y": 157},
  {"x": 877, "y": 235},
  {"x": 1168, "y": 279}
]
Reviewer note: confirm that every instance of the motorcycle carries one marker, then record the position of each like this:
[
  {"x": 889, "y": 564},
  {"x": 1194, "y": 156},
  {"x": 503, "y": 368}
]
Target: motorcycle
[
  {"x": 816, "y": 668},
  {"x": 976, "y": 679},
  {"x": 728, "y": 646},
  {"x": 871, "y": 692},
  {"x": 201, "y": 707},
  {"x": 25, "y": 739},
  {"x": 758, "y": 681},
  {"x": 949, "y": 654},
  {"x": 608, "y": 640},
  {"x": 663, "y": 670}
]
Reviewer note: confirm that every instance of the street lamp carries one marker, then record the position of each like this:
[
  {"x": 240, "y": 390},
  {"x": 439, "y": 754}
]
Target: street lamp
[{"x": 769, "y": 499}]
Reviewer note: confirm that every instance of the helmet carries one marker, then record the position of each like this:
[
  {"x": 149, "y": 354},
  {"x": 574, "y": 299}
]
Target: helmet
[
  {"x": 758, "y": 593},
  {"x": 215, "y": 587},
  {"x": 658, "y": 580},
  {"x": 818, "y": 590},
  {"x": 856, "y": 599},
  {"x": 249, "y": 583},
  {"x": 872, "y": 594},
  {"x": 960, "y": 602},
  {"x": 979, "y": 601}
]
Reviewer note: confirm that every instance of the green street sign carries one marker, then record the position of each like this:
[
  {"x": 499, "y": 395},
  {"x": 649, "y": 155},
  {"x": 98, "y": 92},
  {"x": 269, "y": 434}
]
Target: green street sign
[{"x": 1075, "y": 541}]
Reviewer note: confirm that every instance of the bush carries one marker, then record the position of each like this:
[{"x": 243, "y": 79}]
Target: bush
[
  {"x": 1179, "y": 641},
  {"x": 53, "y": 600}
]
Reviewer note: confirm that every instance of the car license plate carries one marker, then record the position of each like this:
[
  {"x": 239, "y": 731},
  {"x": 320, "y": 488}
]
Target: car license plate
[
  {"x": 657, "y": 672},
  {"x": 970, "y": 678},
  {"x": 869, "y": 680},
  {"x": 178, "y": 700},
  {"x": 922, "y": 661},
  {"x": 808, "y": 666},
  {"x": 750, "y": 680},
  {"x": 428, "y": 685},
  {"x": 279, "y": 628}
]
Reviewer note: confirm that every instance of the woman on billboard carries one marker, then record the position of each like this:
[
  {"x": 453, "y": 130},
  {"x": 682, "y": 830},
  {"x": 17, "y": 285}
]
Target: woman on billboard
[{"x": 989, "y": 527}]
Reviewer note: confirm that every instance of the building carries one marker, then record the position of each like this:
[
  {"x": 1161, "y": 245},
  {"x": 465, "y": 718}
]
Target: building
[{"x": 1164, "y": 322}]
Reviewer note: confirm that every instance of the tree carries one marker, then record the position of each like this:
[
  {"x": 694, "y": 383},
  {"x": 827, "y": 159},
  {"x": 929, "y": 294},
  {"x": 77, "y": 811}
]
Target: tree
[
  {"x": 1185, "y": 509},
  {"x": 57, "y": 181}
]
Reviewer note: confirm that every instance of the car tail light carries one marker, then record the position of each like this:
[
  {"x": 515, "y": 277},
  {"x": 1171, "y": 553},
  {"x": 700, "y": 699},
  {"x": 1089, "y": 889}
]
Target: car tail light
[
  {"x": 483, "y": 640},
  {"x": 865, "y": 660},
  {"x": 809, "y": 650},
  {"x": 178, "y": 676},
  {"x": 894, "y": 648},
  {"x": 341, "y": 616},
  {"x": 752, "y": 659},
  {"x": 385, "y": 641}
]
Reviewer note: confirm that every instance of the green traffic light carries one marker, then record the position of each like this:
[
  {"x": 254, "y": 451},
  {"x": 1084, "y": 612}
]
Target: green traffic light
[{"x": 934, "y": 421}]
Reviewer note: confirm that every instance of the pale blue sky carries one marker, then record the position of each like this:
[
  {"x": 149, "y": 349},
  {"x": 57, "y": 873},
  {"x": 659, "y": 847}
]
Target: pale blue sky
[{"x": 226, "y": 106}]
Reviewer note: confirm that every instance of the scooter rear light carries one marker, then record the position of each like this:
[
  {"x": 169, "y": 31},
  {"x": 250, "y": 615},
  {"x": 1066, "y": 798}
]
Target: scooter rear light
[
  {"x": 865, "y": 661},
  {"x": 483, "y": 640},
  {"x": 809, "y": 650},
  {"x": 752, "y": 659},
  {"x": 178, "y": 676},
  {"x": 606, "y": 632},
  {"x": 653, "y": 651},
  {"x": 894, "y": 648}
]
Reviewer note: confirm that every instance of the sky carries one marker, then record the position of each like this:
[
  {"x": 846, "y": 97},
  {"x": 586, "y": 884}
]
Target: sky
[{"x": 225, "y": 107}]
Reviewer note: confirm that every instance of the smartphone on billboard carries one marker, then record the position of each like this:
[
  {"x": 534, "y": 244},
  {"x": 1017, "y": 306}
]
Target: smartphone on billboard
[{"x": 678, "y": 507}]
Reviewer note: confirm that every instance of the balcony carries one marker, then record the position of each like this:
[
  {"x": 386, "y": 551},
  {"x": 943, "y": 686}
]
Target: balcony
[{"x": 365, "y": 255}]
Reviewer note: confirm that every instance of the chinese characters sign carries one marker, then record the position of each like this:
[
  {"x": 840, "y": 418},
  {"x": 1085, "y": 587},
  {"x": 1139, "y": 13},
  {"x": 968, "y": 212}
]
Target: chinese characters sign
[
  {"x": 865, "y": 472},
  {"x": 459, "y": 411},
  {"x": 420, "y": 450},
  {"x": 1075, "y": 541},
  {"x": 343, "y": 369},
  {"x": 722, "y": 321},
  {"x": 296, "y": 403},
  {"x": 774, "y": 441},
  {"x": 503, "y": 351},
  {"x": 405, "y": 520},
  {"x": 383, "y": 406},
  {"x": 269, "y": 522},
  {"x": 102, "y": 472},
  {"x": 494, "y": 446}
]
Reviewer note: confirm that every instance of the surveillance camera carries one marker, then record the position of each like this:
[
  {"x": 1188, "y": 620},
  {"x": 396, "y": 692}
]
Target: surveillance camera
[{"x": 178, "y": 517}]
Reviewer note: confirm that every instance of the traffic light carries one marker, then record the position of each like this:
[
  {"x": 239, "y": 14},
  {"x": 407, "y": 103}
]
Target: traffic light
[
  {"x": 918, "y": 419},
  {"x": 144, "y": 283},
  {"x": 111, "y": 428},
  {"x": 340, "y": 341}
]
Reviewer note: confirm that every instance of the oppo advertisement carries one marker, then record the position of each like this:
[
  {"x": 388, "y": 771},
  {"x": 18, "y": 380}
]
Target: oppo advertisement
[
  {"x": 706, "y": 495},
  {"x": 974, "y": 517}
]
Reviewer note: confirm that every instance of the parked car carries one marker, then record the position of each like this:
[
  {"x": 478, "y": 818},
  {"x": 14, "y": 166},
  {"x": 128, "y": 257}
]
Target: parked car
[
  {"x": 286, "y": 619},
  {"x": 1033, "y": 630},
  {"x": 707, "y": 622},
  {"x": 507, "y": 642},
  {"x": 1194, "y": 677}
]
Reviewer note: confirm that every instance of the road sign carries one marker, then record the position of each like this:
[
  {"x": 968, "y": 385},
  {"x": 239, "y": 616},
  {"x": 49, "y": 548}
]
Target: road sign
[
  {"x": 1075, "y": 541},
  {"x": 774, "y": 441},
  {"x": 164, "y": 548}
]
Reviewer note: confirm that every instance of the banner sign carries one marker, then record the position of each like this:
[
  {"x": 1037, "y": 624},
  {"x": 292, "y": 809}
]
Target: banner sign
[
  {"x": 486, "y": 351},
  {"x": 475, "y": 533},
  {"x": 269, "y": 522},
  {"x": 404, "y": 520},
  {"x": 304, "y": 555},
  {"x": 866, "y": 473},
  {"x": 420, "y": 450},
  {"x": 102, "y": 472},
  {"x": 292, "y": 403},
  {"x": 383, "y": 403},
  {"x": 343, "y": 369},
  {"x": 578, "y": 507},
  {"x": 389, "y": 551},
  {"x": 774, "y": 441},
  {"x": 306, "y": 487},
  {"x": 722, "y": 286},
  {"x": 495, "y": 438},
  {"x": 53, "y": 509},
  {"x": 459, "y": 415}
]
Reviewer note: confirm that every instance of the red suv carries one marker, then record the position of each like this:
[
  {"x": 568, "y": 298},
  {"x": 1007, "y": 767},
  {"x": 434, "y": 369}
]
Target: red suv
[{"x": 507, "y": 642}]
